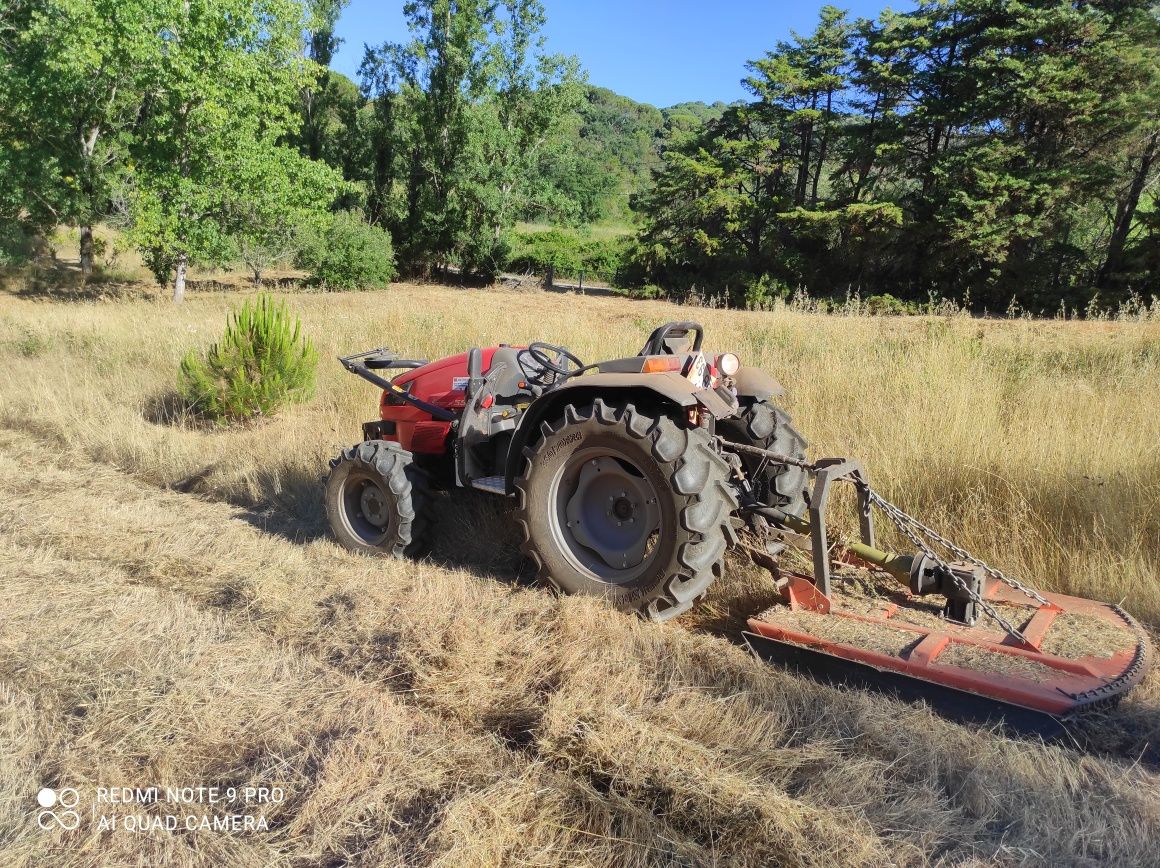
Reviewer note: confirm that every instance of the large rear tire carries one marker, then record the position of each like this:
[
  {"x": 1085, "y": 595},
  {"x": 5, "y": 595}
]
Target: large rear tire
[
  {"x": 377, "y": 500},
  {"x": 767, "y": 426},
  {"x": 626, "y": 506}
]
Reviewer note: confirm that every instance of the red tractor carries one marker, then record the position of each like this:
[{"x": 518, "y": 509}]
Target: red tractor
[
  {"x": 633, "y": 476},
  {"x": 622, "y": 489}
]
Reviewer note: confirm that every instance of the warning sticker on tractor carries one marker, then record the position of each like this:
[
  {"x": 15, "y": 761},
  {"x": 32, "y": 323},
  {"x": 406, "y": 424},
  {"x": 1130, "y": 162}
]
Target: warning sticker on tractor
[{"x": 459, "y": 384}]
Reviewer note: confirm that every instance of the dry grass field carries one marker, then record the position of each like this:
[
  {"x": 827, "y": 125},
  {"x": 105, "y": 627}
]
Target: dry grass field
[{"x": 172, "y": 613}]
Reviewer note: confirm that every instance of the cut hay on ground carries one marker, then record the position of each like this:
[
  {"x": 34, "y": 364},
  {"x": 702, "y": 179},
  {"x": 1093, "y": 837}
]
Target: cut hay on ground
[{"x": 428, "y": 714}]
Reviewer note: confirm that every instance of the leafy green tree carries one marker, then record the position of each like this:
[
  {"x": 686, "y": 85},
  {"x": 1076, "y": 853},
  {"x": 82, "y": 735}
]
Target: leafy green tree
[
  {"x": 1054, "y": 86},
  {"x": 799, "y": 84},
  {"x": 743, "y": 203},
  {"x": 331, "y": 105},
  {"x": 71, "y": 79},
  {"x": 466, "y": 110},
  {"x": 281, "y": 206},
  {"x": 967, "y": 147},
  {"x": 220, "y": 98},
  {"x": 1141, "y": 172}
]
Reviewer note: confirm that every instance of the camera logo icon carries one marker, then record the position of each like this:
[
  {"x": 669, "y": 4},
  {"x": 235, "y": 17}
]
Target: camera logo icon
[{"x": 64, "y": 800}]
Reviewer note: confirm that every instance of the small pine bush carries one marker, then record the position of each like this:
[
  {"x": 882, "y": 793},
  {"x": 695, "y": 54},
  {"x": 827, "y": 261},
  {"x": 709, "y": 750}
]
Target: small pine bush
[
  {"x": 349, "y": 254},
  {"x": 261, "y": 363}
]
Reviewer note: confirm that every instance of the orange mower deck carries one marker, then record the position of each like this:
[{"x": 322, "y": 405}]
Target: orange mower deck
[{"x": 1030, "y": 688}]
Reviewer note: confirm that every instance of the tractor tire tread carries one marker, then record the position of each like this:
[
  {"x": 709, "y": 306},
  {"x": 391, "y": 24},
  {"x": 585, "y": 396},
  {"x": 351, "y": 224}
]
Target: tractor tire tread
[
  {"x": 699, "y": 482},
  {"x": 411, "y": 501},
  {"x": 767, "y": 426}
]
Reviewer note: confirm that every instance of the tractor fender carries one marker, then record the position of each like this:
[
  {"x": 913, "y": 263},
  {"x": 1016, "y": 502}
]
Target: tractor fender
[
  {"x": 757, "y": 384},
  {"x": 644, "y": 390}
]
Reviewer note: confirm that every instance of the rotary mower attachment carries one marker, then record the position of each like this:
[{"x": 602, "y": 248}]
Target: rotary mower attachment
[
  {"x": 632, "y": 476},
  {"x": 997, "y": 650}
]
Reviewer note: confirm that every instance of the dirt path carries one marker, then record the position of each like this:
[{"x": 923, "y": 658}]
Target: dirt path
[{"x": 415, "y": 714}]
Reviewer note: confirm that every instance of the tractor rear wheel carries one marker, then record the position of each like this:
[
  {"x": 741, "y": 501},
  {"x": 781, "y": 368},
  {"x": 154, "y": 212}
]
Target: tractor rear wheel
[
  {"x": 377, "y": 500},
  {"x": 626, "y": 506},
  {"x": 767, "y": 426}
]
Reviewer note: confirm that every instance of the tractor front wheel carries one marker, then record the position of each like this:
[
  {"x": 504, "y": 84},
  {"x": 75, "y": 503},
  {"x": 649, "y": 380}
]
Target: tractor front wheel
[
  {"x": 377, "y": 499},
  {"x": 626, "y": 506}
]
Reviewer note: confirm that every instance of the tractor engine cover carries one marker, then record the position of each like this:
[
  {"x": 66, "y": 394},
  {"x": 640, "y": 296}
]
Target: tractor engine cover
[{"x": 443, "y": 383}]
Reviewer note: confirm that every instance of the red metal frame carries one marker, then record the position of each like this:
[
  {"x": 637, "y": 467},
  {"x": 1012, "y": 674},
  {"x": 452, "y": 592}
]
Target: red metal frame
[
  {"x": 415, "y": 430},
  {"x": 1075, "y": 683}
]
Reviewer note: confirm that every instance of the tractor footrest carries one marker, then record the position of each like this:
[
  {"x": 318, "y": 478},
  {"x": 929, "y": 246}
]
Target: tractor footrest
[{"x": 490, "y": 484}]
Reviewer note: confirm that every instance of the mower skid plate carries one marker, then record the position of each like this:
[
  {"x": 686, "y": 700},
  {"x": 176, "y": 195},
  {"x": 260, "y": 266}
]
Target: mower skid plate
[{"x": 975, "y": 673}]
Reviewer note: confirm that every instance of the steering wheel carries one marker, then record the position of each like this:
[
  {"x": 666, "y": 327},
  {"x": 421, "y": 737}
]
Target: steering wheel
[{"x": 539, "y": 351}]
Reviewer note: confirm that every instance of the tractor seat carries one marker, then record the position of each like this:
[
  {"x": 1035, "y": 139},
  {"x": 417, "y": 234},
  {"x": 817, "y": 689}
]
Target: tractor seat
[
  {"x": 670, "y": 339},
  {"x": 505, "y": 374}
]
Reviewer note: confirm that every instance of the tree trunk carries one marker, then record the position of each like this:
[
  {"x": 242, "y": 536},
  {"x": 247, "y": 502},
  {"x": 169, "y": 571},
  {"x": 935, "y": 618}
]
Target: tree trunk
[
  {"x": 179, "y": 279},
  {"x": 822, "y": 148},
  {"x": 803, "y": 175},
  {"x": 87, "y": 251},
  {"x": 1126, "y": 212},
  {"x": 88, "y": 148}
]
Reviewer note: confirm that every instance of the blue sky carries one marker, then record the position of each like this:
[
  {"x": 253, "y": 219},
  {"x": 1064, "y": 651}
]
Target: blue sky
[{"x": 657, "y": 52}]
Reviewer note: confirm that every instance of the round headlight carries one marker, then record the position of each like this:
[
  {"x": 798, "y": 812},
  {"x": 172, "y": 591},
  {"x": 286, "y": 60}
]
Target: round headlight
[{"x": 728, "y": 364}]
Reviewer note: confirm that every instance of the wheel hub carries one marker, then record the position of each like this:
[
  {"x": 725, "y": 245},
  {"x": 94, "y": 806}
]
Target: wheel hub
[
  {"x": 612, "y": 512},
  {"x": 373, "y": 505}
]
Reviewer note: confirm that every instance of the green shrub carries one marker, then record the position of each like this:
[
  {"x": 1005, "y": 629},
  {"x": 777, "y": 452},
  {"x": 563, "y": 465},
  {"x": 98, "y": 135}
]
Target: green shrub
[
  {"x": 536, "y": 251},
  {"x": 484, "y": 256},
  {"x": 261, "y": 363},
  {"x": 349, "y": 254},
  {"x": 648, "y": 292},
  {"x": 762, "y": 293},
  {"x": 568, "y": 252},
  {"x": 887, "y": 305},
  {"x": 16, "y": 243}
]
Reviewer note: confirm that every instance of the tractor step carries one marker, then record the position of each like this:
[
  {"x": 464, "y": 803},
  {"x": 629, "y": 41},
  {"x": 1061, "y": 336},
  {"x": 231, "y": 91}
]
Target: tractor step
[{"x": 490, "y": 484}]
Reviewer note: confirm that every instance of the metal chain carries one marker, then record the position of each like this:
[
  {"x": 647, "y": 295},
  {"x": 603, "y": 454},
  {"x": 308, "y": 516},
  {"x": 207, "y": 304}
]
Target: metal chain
[
  {"x": 905, "y": 523},
  {"x": 966, "y": 555},
  {"x": 909, "y": 525}
]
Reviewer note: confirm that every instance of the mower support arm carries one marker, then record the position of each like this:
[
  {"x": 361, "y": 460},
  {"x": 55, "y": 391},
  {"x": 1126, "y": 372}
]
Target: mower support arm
[{"x": 356, "y": 366}]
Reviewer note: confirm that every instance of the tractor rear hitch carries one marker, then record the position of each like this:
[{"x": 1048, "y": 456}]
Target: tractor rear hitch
[{"x": 961, "y": 584}]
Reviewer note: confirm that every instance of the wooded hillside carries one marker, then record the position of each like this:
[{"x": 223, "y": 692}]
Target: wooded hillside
[{"x": 1001, "y": 155}]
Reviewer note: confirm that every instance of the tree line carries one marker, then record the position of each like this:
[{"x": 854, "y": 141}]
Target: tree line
[
  {"x": 985, "y": 150},
  {"x": 211, "y": 129}
]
